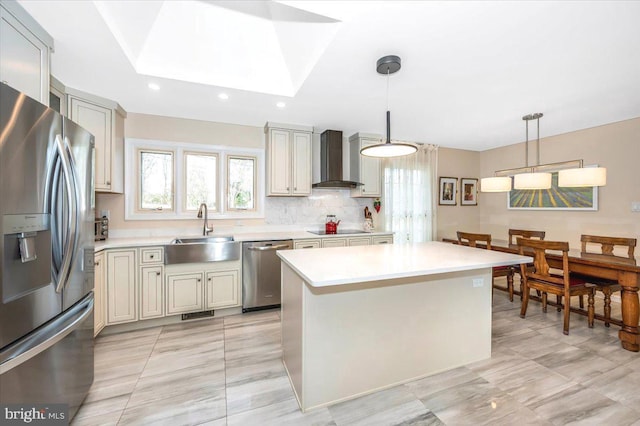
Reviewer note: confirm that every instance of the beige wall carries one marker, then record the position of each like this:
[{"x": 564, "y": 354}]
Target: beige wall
[
  {"x": 460, "y": 164},
  {"x": 615, "y": 146},
  {"x": 143, "y": 126}
]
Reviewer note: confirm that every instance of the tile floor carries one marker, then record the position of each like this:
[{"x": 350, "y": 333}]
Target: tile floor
[{"x": 228, "y": 371}]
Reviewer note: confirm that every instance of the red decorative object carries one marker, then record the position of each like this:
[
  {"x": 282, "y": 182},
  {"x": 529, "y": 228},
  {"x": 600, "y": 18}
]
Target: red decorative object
[{"x": 376, "y": 205}]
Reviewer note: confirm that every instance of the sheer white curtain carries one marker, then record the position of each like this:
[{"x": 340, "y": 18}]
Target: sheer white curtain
[{"x": 409, "y": 198}]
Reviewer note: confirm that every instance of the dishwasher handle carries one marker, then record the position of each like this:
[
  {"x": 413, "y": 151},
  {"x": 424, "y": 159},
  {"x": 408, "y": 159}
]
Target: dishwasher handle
[{"x": 268, "y": 248}]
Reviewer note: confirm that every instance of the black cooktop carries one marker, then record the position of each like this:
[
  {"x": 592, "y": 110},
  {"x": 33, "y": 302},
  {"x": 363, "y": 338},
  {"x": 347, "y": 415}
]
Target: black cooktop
[{"x": 340, "y": 231}]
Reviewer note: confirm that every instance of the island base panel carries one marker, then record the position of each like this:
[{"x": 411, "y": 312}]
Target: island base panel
[{"x": 341, "y": 342}]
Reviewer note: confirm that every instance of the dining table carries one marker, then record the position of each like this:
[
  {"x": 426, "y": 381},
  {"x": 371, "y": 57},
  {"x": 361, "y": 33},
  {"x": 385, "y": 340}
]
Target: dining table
[{"x": 627, "y": 275}]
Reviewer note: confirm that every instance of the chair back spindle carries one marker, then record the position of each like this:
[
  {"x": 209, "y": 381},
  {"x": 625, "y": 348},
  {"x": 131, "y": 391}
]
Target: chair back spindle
[
  {"x": 607, "y": 246},
  {"x": 470, "y": 239}
]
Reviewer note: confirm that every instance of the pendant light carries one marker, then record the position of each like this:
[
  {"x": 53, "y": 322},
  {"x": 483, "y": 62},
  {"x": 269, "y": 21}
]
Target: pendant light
[
  {"x": 582, "y": 176},
  {"x": 532, "y": 179},
  {"x": 495, "y": 184},
  {"x": 388, "y": 65}
]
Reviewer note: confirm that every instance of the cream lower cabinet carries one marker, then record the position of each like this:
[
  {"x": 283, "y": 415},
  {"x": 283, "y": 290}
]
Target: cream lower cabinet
[
  {"x": 334, "y": 242},
  {"x": 382, "y": 239},
  {"x": 151, "y": 292},
  {"x": 152, "y": 282},
  {"x": 359, "y": 241},
  {"x": 306, "y": 244},
  {"x": 121, "y": 286},
  {"x": 184, "y": 292},
  {"x": 343, "y": 241},
  {"x": 99, "y": 293},
  {"x": 198, "y": 287},
  {"x": 222, "y": 289}
]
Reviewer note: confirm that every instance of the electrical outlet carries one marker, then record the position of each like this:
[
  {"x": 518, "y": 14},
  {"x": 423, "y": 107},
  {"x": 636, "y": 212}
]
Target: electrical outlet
[
  {"x": 635, "y": 206},
  {"x": 478, "y": 282}
]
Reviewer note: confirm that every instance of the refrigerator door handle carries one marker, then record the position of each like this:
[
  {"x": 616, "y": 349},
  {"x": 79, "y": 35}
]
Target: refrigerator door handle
[
  {"x": 74, "y": 214},
  {"x": 42, "y": 339},
  {"x": 72, "y": 225}
]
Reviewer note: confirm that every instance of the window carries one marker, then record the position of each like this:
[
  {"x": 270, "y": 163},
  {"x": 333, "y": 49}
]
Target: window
[
  {"x": 241, "y": 183},
  {"x": 201, "y": 181},
  {"x": 168, "y": 180},
  {"x": 156, "y": 180}
]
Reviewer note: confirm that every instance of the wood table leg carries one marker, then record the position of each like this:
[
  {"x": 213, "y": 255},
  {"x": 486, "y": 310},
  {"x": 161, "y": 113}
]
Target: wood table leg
[{"x": 629, "y": 336}]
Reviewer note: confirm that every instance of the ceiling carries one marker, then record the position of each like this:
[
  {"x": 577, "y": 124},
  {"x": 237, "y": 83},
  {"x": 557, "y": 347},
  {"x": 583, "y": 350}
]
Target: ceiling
[{"x": 470, "y": 70}]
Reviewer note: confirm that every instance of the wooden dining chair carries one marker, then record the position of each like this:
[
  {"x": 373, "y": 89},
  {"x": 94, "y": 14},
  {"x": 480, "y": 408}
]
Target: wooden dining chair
[
  {"x": 525, "y": 233},
  {"x": 548, "y": 281},
  {"x": 472, "y": 240},
  {"x": 605, "y": 249}
]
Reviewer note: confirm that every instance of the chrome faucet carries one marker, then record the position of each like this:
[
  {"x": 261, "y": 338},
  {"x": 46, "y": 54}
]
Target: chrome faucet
[{"x": 205, "y": 228}]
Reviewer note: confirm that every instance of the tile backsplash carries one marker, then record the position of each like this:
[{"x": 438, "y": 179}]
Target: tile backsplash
[{"x": 311, "y": 211}]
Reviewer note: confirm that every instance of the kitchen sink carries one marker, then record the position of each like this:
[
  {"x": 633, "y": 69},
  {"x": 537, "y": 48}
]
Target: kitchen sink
[
  {"x": 212, "y": 239},
  {"x": 201, "y": 249}
]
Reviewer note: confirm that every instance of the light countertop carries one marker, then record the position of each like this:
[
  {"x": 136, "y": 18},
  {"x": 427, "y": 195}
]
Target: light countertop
[
  {"x": 122, "y": 242},
  {"x": 348, "y": 265}
]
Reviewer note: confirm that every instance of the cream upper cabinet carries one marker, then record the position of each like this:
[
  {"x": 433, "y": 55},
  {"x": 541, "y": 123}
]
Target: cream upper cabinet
[
  {"x": 104, "y": 119},
  {"x": 99, "y": 293},
  {"x": 121, "y": 286},
  {"x": 288, "y": 160},
  {"x": 365, "y": 170},
  {"x": 24, "y": 52}
]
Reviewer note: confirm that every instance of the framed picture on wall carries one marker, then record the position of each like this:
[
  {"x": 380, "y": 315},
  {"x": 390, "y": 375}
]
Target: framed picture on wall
[
  {"x": 468, "y": 192},
  {"x": 448, "y": 187}
]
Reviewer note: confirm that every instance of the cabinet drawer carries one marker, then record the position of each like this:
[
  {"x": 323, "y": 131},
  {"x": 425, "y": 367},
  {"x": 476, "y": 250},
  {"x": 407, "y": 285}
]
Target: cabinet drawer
[
  {"x": 305, "y": 244},
  {"x": 334, "y": 242},
  {"x": 382, "y": 239},
  {"x": 152, "y": 255},
  {"x": 359, "y": 241}
]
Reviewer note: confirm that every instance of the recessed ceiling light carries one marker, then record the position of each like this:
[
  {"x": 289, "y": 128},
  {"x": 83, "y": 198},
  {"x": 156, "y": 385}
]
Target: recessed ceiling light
[
  {"x": 223, "y": 96},
  {"x": 281, "y": 105},
  {"x": 153, "y": 86}
]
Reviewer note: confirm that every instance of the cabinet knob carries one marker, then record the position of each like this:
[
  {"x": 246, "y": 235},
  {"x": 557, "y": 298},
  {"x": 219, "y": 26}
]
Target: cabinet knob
[
  {"x": 209, "y": 279},
  {"x": 295, "y": 188},
  {"x": 97, "y": 263},
  {"x": 108, "y": 182},
  {"x": 199, "y": 280},
  {"x": 158, "y": 274},
  {"x": 151, "y": 256},
  {"x": 287, "y": 188}
]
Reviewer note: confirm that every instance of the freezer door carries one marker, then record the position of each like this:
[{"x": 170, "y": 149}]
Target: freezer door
[
  {"x": 27, "y": 294},
  {"x": 52, "y": 365},
  {"x": 80, "y": 146}
]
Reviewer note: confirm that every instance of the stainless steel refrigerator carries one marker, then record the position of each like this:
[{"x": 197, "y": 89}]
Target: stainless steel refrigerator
[{"x": 46, "y": 255}]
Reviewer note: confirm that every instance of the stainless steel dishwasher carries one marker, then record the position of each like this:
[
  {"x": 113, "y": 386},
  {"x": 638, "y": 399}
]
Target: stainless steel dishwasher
[{"x": 261, "y": 274}]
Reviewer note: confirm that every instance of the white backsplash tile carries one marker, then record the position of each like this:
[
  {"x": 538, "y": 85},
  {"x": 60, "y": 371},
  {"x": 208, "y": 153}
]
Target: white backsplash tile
[{"x": 311, "y": 212}]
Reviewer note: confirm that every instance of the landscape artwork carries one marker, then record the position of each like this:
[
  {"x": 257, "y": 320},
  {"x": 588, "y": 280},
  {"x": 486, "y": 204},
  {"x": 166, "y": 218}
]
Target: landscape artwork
[{"x": 555, "y": 198}]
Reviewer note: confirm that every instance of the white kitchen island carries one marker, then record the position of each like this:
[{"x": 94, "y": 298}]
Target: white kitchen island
[{"x": 356, "y": 320}]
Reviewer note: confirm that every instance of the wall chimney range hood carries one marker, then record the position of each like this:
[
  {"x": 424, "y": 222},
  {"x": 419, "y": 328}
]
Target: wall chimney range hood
[{"x": 331, "y": 162}]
